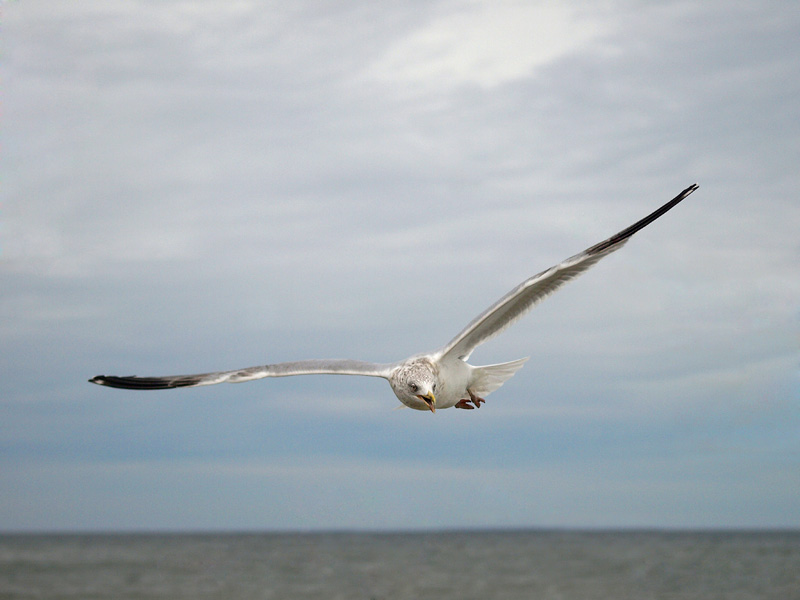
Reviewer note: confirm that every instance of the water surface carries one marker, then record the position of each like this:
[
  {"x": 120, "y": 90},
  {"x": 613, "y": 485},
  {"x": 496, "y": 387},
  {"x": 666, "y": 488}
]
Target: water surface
[{"x": 561, "y": 565}]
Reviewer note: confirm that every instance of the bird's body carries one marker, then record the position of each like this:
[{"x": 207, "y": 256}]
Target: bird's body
[{"x": 439, "y": 379}]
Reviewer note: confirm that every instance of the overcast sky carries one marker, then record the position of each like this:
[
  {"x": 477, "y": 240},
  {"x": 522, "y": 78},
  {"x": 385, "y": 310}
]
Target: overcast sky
[{"x": 195, "y": 186}]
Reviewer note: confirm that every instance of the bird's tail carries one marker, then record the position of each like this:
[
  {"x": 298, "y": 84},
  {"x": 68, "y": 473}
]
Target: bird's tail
[{"x": 488, "y": 378}]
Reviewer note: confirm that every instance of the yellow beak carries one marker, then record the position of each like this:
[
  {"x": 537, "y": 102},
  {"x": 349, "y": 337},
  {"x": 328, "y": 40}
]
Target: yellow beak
[{"x": 430, "y": 400}]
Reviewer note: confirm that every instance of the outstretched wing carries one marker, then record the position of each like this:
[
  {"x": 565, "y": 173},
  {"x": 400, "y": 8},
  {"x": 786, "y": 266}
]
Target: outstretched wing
[
  {"x": 302, "y": 367},
  {"x": 531, "y": 291}
]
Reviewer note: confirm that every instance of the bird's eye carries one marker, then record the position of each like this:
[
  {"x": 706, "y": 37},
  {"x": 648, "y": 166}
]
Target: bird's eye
[{"x": 413, "y": 387}]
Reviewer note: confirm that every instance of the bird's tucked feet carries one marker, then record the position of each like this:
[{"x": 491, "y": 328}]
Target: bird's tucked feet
[
  {"x": 465, "y": 402},
  {"x": 475, "y": 399}
]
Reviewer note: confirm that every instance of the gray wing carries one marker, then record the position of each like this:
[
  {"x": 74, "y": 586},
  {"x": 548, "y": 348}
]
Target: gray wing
[
  {"x": 530, "y": 292},
  {"x": 302, "y": 367}
]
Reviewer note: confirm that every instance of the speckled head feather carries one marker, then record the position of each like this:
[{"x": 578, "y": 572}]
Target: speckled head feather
[{"x": 414, "y": 381}]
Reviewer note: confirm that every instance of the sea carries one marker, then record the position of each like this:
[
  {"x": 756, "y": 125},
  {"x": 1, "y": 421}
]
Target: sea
[{"x": 563, "y": 565}]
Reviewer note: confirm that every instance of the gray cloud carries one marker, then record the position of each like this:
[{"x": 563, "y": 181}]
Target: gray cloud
[{"x": 209, "y": 185}]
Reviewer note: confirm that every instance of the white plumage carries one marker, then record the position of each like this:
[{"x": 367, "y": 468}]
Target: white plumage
[{"x": 439, "y": 379}]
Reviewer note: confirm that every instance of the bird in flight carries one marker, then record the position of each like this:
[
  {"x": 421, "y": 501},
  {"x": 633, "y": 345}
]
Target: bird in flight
[{"x": 433, "y": 380}]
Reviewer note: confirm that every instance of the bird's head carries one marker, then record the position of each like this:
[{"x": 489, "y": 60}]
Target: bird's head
[{"x": 414, "y": 384}]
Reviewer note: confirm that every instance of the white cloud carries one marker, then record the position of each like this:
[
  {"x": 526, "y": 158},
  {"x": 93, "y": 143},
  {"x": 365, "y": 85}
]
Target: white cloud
[{"x": 484, "y": 43}]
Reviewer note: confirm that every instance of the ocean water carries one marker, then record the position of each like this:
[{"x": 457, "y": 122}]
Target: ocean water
[{"x": 562, "y": 565}]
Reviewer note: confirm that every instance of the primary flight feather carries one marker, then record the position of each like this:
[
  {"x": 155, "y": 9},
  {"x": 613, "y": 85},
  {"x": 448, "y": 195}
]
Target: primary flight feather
[{"x": 439, "y": 379}]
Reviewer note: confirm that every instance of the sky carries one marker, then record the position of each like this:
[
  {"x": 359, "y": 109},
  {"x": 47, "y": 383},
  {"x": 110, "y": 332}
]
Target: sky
[{"x": 208, "y": 185}]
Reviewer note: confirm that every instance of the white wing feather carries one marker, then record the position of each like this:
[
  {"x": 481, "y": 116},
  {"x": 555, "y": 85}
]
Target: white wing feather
[
  {"x": 286, "y": 369},
  {"x": 492, "y": 321},
  {"x": 530, "y": 292}
]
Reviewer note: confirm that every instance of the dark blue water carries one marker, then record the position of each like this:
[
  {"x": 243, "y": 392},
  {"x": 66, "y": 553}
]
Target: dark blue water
[{"x": 443, "y": 565}]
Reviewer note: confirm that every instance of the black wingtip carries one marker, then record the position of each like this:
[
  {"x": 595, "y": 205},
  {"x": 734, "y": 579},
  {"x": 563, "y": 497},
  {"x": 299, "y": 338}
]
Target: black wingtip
[
  {"x": 130, "y": 383},
  {"x": 628, "y": 232},
  {"x": 143, "y": 383}
]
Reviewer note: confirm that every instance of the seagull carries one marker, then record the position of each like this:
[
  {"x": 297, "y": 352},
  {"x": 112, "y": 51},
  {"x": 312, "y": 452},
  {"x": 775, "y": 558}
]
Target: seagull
[{"x": 438, "y": 379}]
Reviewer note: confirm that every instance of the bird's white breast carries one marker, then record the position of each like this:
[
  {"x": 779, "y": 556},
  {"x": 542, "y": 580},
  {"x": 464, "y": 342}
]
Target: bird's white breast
[{"x": 454, "y": 378}]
